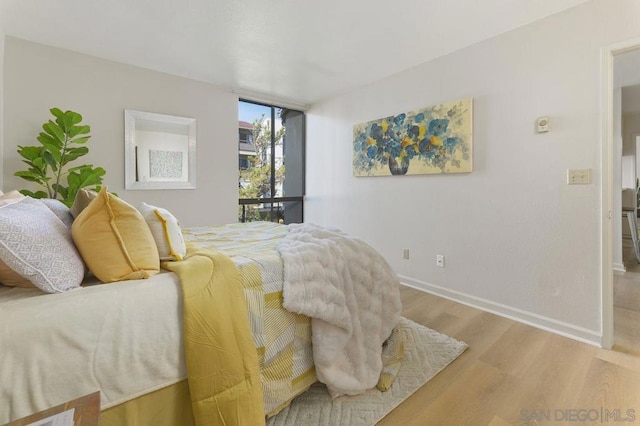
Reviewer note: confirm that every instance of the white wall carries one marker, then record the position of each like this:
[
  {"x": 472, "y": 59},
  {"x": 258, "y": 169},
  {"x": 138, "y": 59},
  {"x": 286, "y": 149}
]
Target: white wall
[
  {"x": 631, "y": 96},
  {"x": 39, "y": 77},
  {"x": 517, "y": 239},
  {"x": 628, "y": 170},
  {"x": 630, "y": 128}
]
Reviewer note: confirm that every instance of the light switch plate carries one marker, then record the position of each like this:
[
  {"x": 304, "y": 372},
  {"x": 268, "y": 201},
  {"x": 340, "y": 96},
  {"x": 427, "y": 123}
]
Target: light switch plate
[{"x": 578, "y": 176}]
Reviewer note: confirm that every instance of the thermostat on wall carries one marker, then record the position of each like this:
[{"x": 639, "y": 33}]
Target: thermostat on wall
[{"x": 542, "y": 124}]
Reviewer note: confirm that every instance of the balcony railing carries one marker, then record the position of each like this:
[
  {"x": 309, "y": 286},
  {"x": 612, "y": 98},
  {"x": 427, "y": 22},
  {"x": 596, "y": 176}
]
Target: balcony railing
[{"x": 280, "y": 209}]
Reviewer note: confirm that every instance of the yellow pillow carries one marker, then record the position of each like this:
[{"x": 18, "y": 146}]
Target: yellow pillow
[
  {"x": 114, "y": 240},
  {"x": 11, "y": 278}
]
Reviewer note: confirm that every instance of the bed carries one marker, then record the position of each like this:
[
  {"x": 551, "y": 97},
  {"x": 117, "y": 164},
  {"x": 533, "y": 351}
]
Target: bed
[{"x": 126, "y": 338}]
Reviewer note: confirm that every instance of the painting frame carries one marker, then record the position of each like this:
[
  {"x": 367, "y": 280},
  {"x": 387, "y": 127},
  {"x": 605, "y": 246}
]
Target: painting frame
[
  {"x": 432, "y": 140},
  {"x": 147, "y": 132}
]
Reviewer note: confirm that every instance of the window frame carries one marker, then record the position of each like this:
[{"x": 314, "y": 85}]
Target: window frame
[{"x": 273, "y": 201}]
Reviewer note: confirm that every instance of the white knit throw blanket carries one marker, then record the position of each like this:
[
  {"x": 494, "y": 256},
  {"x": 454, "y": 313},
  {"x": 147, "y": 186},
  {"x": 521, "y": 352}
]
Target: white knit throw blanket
[{"x": 352, "y": 296}]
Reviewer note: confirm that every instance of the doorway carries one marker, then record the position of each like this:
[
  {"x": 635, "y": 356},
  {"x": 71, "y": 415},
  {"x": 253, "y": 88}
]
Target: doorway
[{"x": 614, "y": 59}]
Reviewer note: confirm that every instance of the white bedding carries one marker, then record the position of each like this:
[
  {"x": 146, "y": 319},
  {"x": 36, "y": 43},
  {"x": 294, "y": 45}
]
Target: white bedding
[
  {"x": 82, "y": 334},
  {"x": 351, "y": 294},
  {"x": 77, "y": 341}
]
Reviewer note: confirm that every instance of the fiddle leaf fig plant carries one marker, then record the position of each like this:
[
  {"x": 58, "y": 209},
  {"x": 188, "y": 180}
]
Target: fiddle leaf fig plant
[{"x": 62, "y": 141}]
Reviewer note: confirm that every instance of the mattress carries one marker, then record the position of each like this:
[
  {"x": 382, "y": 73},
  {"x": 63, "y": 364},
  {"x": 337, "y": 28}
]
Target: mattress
[{"x": 125, "y": 338}]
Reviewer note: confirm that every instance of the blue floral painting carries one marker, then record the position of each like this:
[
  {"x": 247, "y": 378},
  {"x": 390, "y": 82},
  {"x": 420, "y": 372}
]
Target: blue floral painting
[{"x": 436, "y": 139}]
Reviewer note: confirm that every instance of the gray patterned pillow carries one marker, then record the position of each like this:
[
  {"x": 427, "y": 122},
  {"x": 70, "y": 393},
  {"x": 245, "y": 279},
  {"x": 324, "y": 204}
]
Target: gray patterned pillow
[
  {"x": 38, "y": 246},
  {"x": 59, "y": 209}
]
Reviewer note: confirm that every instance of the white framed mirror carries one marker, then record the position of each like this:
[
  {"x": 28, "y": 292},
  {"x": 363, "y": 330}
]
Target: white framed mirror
[{"x": 160, "y": 151}]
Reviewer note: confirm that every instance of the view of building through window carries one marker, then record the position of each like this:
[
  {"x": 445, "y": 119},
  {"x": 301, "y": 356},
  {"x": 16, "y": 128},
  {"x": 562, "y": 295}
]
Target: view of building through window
[{"x": 271, "y": 163}]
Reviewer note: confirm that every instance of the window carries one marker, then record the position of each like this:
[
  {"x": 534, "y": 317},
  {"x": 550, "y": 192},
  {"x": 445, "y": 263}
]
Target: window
[
  {"x": 244, "y": 134},
  {"x": 271, "y": 163},
  {"x": 245, "y": 162}
]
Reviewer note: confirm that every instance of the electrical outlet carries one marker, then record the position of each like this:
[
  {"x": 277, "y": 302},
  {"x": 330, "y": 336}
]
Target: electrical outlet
[
  {"x": 405, "y": 254},
  {"x": 440, "y": 261}
]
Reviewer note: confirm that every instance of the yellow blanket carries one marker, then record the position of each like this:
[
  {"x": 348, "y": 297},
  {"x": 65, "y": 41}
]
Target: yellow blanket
[
  {"x": 282, "y": 338},
  {"x": 222, "y": 364}
]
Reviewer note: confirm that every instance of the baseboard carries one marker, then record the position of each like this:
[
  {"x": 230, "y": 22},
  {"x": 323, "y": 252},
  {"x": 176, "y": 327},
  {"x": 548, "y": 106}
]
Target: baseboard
[
  {"x": 619, "y": 267},
  {"x": 548, "y": 324}
]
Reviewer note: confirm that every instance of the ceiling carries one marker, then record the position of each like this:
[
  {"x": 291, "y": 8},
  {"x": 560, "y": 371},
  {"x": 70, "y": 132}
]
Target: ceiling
[{"x": 289, "y": 50}]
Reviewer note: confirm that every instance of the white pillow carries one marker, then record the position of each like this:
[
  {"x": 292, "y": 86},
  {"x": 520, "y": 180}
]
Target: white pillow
[
  {"x": 37, "y": 246},
  {"x": 166, "y": 231}
]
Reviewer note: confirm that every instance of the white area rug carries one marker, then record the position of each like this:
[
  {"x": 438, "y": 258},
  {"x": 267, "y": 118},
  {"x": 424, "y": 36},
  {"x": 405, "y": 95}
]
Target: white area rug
[{"x": 426, "y": 352}]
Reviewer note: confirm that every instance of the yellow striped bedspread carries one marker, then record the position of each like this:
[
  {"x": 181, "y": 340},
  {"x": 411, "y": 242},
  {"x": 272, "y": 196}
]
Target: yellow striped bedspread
[{"x": 282, "y": 338}]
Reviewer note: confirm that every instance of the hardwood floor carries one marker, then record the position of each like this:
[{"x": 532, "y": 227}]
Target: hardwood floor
[{"x": 514, "y": 374}]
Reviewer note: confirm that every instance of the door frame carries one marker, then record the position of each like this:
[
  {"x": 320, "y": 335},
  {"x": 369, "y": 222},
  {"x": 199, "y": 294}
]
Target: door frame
[{"x": 606, "y": 182}]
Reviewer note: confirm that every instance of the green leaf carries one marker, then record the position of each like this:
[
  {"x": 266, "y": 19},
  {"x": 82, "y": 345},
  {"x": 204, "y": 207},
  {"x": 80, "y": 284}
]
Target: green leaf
[
  {"x": 75, "y": 117},
  {"x": 56, "y": 154},
  {"x": 79, "y": 130},
  {"x": 73, "y": 153},
  {"x": 37, "y": 194},
  {"x": 56, "y": 112},
  {"x": 98, "y": 170},
  {"x": 54, "y": 130},
  {"x": 30, "y": 152},
  {"x": 39, "y": 163},
  {"x": 62, "y": 190},
  {"x": 73, "y": 179},
  {"x": 69, "y": 119},
  {"x": 29, "y": 176},
  {"x": 48, "y": 140},
  {"x": 38, "y": 171},
  {"x": 81, "y": 140},
  {"x": 51, "y": 160},
  {"x": 46, "y": 137},
  {"x": 86, "y": 176},
  {"x": 68, "y": 200},
  {"x": 53, "y": 150}
]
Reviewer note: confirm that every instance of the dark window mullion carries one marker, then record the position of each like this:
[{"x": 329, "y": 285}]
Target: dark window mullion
[{"x": 273, "y": 158}]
